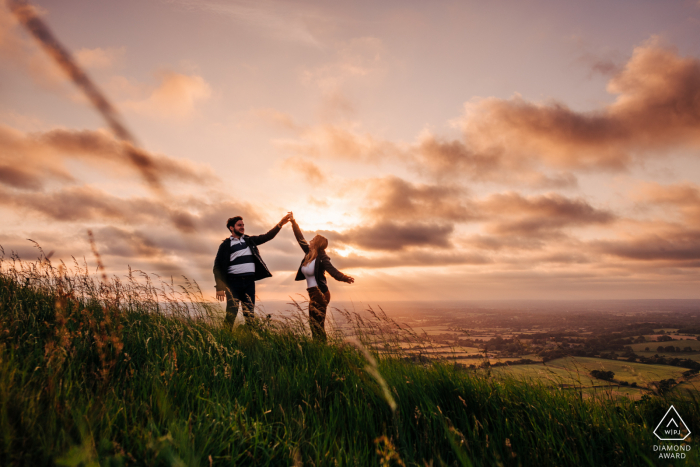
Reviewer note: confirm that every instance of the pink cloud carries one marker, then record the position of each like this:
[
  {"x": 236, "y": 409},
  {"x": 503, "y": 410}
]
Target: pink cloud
[{"x": 176, "y": 96}]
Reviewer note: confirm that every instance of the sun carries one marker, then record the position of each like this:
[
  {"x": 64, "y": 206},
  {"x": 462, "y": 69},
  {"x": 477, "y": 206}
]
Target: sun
[
  {"x": 333, "y": 214},
  {"x": 346, "y": 251}
]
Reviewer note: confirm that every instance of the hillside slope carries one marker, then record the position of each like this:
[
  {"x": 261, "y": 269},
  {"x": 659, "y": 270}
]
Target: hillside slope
[{"x": 122, "y": 373}]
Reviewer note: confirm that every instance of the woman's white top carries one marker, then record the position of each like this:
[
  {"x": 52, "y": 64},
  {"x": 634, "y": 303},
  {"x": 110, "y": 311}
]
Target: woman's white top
[{"x": 308, "y": 272}]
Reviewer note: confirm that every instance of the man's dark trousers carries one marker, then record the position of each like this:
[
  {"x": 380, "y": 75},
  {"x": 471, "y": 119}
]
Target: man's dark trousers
[{"x": 240, "y": 290}]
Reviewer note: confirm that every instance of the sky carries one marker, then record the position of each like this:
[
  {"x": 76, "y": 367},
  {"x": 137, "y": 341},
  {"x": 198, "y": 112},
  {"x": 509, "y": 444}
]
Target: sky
[{"x": 448, "y": 150}]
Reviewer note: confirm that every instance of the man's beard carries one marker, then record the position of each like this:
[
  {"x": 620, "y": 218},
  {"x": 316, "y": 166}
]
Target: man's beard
[{"x": 235, "y": 231}]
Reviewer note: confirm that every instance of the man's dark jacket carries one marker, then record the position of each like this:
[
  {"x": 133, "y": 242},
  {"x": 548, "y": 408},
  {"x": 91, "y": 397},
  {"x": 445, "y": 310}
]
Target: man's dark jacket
[{"x": 223, "y": 257}]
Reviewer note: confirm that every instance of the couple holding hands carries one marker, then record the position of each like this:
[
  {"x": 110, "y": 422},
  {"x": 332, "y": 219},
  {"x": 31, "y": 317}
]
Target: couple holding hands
[{"x": 238, "y": 265}]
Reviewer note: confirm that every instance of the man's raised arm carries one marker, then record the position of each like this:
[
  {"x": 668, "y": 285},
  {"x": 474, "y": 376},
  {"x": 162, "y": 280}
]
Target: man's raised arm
[{"x": 266, "y": 237}]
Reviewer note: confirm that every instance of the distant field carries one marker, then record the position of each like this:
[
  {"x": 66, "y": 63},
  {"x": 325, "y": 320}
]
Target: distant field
[
  {"x": 640, "y": 373},
  {"x": 534, "y": 357},
  {"x": 693, "y": 344},
  {"x": 483, "y": 337},
  {"x": 555, "y": 375},
  {"x": 430, "y": 330},
  {"x": 688, "y": 388},
  {"x": 572, "y": 371},
  {"x": 470, "y": 350},
  {"x": 478, "y": 360},
  {"x": 457, "y": 352},
  {"x": 625, "y": 391},
  {"x": 469, "y": 354},
  {"x": 681, "y": 355}
]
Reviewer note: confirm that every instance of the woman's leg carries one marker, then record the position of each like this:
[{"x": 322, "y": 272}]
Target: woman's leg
[
  {"x": 327, "y": 296},
  {"x": 317, "y": 313}
]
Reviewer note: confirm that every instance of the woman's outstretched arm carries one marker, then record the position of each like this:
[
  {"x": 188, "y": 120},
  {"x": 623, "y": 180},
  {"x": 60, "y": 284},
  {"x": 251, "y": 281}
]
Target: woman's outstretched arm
[
  {"x": 300, "y": 236},
  {"x": 337, "y": 275}
]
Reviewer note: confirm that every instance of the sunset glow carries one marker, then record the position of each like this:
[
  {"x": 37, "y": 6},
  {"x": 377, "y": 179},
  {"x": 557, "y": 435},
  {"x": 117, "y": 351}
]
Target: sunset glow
[{"x": 447, "y": 150}]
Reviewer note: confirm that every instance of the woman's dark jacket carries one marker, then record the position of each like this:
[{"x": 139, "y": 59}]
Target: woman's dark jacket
[
  {"x": 323, "y": 263},
  {"x": 223, "y": 257}
]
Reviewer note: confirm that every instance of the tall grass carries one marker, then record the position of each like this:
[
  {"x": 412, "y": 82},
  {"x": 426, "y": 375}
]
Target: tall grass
[{"x": 134, "y": 371}]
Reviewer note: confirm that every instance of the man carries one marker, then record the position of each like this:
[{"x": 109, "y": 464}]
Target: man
[{"x": 238, "y": 265}]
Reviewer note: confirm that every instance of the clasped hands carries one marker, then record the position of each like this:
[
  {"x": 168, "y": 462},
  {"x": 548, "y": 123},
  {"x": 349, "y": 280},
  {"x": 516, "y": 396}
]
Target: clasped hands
[{"x": 285, "y": 219}]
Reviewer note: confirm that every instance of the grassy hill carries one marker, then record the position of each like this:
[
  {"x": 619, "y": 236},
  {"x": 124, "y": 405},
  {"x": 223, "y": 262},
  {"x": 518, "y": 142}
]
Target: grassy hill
[{"x": 128, "y": 372}]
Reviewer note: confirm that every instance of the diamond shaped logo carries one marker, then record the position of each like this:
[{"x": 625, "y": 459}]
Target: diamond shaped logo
[{"x": 672, "y": 427}]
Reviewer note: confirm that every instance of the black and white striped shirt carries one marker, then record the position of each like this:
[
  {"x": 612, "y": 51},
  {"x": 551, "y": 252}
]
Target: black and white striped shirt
[{"x": 241, "y": 261}]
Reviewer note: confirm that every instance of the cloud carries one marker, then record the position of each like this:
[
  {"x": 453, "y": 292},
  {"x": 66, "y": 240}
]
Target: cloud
[
  {"x": 99, "y": 58},
  {"x": 358, "y": 61},
  {"x": 430, "y": 155},
  {"x": 115, "y": 241},
  {"x": 89, "y": 144},
  {"x": 29, "y": 17},
  {"x": 454, "y": 158},
  {"x": 607, "y": 63},
  {"x": 504, "y": 242},
  {"x": 337, "y": 142},
  {"x": 143, "y": 244},
  {"x": 545, "y": 144},
  {"x": 19, "y": 178},
  {"x": 15, "y": 48},
  {"x": 34, "y": 168},
  {"x": 566, "y": 258},
  {"x": 26, "y": 164},
  {"x": 395, "y": 198},
  {"x": 29, "y": 160},
  {"x": 280, "y": 20},
  {"x": 512, "y": 220},
  {"x": 176, "y": 96},
  {"x": 310, "y": 171},
  {"x": 208, "y": 213},
  {"x": 12, "y": 46},
  {"x": 446, "y": 156},
  {"x": 657, "y": 109},
  {"x": 86, "y": 203},
  {"x": 394, "y": 236},
  {"x": 391, "y": 244},
  {"x": 680, "y": 246},
  {"x": 10, "y": 42},
  {"x": 684, "y": 197},
  {"x": 422, "y": 258},
  {"x": 671, "y": 235},
  {"x": 361, "y": 57},
  {"x": 335, "y": 105},
  {"x": 606, "y": 67},
  {"x": 400, "y": 215},
  {"x": 277, "y": 118},
  {"x": 539, "y": 215}
]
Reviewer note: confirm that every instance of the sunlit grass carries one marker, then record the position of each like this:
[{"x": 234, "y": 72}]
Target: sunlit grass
[{"x": 132, "y": 372}]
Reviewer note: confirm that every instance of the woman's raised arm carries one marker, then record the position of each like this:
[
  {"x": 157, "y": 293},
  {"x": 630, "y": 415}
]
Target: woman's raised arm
[{"x": 300, "y": 236}]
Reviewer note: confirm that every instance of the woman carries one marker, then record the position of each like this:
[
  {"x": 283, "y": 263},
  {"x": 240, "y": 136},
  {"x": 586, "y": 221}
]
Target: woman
[{"x": 313, "y": 268}]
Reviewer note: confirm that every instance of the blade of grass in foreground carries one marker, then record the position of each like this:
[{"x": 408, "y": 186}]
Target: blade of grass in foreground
[{"x": 180, "y": 390}]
